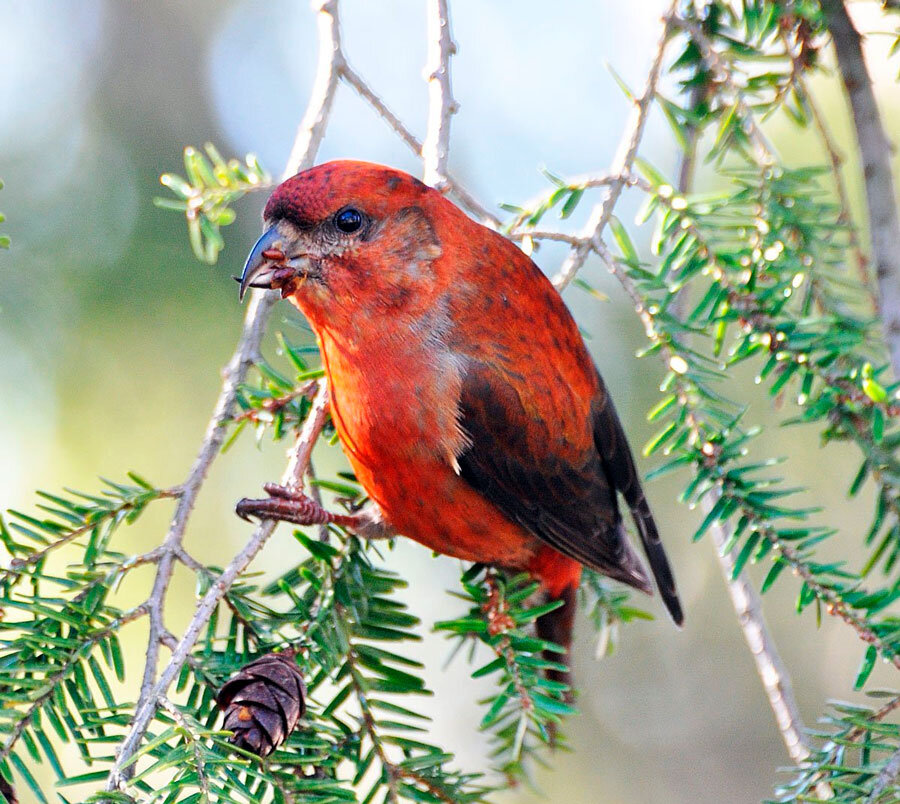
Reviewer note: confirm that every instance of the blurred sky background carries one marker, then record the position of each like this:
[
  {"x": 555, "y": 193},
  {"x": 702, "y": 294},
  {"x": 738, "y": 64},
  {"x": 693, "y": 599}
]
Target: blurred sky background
[{"x": 112, "y": 336}]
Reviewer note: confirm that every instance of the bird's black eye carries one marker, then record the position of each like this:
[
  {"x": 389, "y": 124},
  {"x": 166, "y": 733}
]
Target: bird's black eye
[{"x": 348, "y": 220}]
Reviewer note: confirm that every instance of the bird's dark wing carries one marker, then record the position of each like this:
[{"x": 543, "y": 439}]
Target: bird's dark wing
[{"x": 552, "y": 483}]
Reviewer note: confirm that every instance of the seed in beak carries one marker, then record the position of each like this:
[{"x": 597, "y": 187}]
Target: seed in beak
[{"x": 274, "y": 254}]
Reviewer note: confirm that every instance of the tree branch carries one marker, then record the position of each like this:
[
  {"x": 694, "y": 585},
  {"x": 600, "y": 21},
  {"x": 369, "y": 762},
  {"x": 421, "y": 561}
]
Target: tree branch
[
  {"x": 744, "y": 598},
  {"x": 886, "y": 778},
  {"x": 328, "y": 72},
  {"x": 622, "y": 163},
  {"x": 875, "y": 153},
  {"x": 774, "y": 676},
  {"x": 441, "y": 106},
  {"x": 804, "y": 93},
  {"x": 718, "y": 66},
  {"x": 244, "y": 356},
  {"x": 41, "y": 697},
  {"x": 835, "y": 604},
  {"x": 415, "y": 144}
]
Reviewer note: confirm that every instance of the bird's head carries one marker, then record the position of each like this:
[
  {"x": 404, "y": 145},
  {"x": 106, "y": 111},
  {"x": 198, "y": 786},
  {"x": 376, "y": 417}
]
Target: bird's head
[{"x": 352, "y": 235}]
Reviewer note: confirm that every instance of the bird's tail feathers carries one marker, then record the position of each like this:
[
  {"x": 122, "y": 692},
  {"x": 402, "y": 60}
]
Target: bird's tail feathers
[
  {"x": 556, "y": 626},
  {"x": 656, "y": 556}
]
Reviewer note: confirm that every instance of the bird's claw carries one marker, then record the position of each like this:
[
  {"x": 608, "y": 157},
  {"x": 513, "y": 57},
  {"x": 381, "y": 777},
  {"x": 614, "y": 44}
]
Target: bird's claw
[{"x": 289, "y": 504}]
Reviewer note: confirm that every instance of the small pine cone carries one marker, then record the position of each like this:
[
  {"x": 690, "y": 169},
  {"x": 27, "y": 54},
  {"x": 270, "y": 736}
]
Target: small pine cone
[{"x": 263, "y": 702}]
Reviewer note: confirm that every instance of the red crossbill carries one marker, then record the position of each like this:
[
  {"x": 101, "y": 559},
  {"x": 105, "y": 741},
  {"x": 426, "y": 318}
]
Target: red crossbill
[{"x": 461, "y": 389}]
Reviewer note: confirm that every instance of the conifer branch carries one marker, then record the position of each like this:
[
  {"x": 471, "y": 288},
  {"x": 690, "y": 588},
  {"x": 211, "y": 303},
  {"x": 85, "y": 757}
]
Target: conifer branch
[
  {"x": 833, "y": 599},
  {"x": 721, "y": 74},
  {"x": 770, "y": 668},
  {"x": 145, "y": 710},
  {"x": 835, "y": 159},
  {"x": 745, "y": 599},
  {"x": 51, "y": 683}
]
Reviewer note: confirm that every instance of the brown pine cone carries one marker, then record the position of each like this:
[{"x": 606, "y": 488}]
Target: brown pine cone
[{"x": 263, "y": 702}]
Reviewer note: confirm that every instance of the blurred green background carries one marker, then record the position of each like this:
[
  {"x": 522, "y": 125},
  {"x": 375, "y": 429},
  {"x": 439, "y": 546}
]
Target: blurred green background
[{"x": 112, "y": 336}]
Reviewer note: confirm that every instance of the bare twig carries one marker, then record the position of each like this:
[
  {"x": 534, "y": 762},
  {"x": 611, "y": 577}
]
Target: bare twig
[
  {"x": 234, "y": 374},
  {"x": 466, "y": 199},
  {"x": 541, "y": 234},
  {"x": 441, "y": 106},
  {"x": 772, "y": 672},
  {"x": 621, "y": 165},
  {"x": 328, "y": 71},
  {"x": 875, "y": 153},
  {"x": 315, "y": 421}
]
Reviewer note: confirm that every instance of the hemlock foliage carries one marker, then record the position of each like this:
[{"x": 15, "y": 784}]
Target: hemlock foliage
[{"x": 767, "y": 271}]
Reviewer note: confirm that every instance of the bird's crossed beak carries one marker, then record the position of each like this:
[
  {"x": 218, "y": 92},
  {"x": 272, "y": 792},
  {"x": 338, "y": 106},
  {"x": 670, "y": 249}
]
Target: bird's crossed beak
[{"x": 268, "y": 266}]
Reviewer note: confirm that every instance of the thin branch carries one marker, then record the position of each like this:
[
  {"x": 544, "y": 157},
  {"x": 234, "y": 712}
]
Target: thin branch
[
  {"x": 234, "y": 374},
  {"x": 875, "y": 154},
  {"x": 840, "y": 186},
  {"x": 441, "y": 106},
  {"x": 835, "y": 158},
  {"x": 293, "y": 475},
  {"x": 622, "y": 163},
  {"x": 328, "y": 70},
  {"x": 774, "y": 675},
  {"x": 583, "y": 182},
  {"x": 415, "y": 144},
  {"x": 315, "y": 421},
  {"x": 835, "y": 604},
  {"x": 542, "y": 234},
  {"x": 721, "y": 74},
  {"x": 176, "y": 714},
  {"x": 274, "y": 404},
  {"x": 394, "y": 771},
  {"x": 18, "y": 565},
  {"x": 831, "y": 748}
]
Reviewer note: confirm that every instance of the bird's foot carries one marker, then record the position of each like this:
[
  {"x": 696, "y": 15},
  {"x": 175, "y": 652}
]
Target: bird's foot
[{"x": 286, "y": 504}]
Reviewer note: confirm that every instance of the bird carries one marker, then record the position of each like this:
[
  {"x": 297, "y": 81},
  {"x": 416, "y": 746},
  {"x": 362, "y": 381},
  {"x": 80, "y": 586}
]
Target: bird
[{"x": 460, "y": 387}]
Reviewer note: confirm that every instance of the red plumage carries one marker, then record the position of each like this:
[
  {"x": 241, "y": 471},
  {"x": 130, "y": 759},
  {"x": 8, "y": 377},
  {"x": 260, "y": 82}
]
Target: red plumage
[{"x": 461, "y": 389}]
